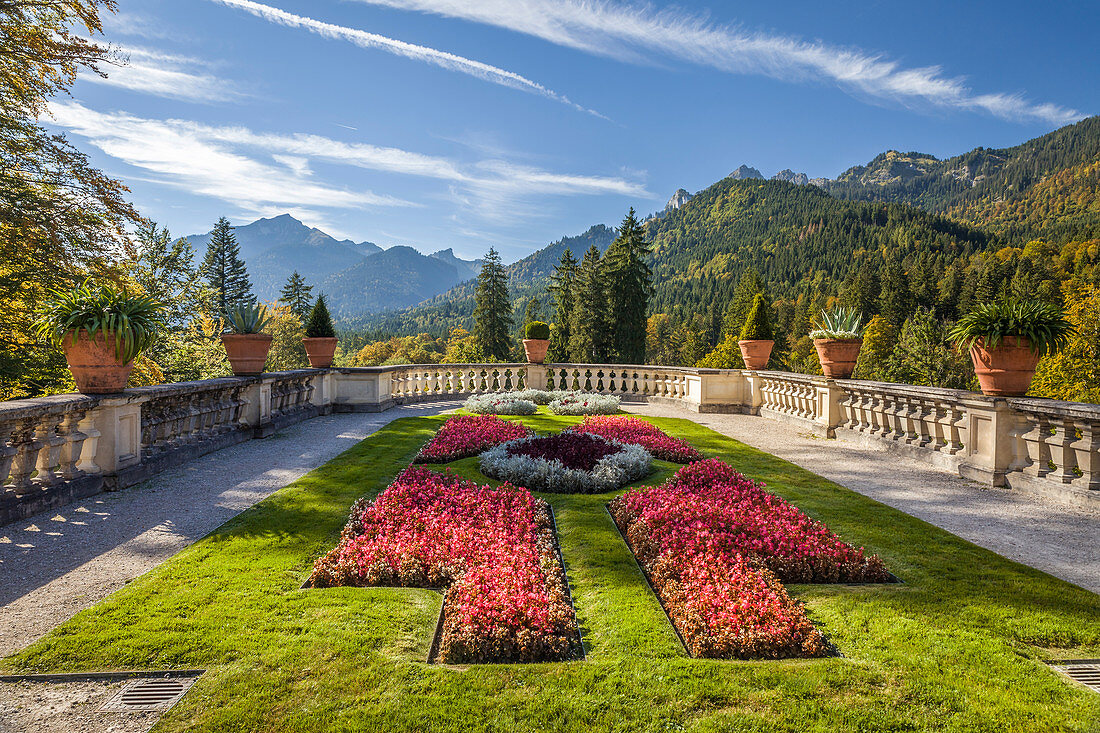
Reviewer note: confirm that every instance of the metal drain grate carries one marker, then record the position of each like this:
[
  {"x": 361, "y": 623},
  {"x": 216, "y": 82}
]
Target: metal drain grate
[
  {"x": 148, "y": 694},
  {"x": 1083, "y": 671}
]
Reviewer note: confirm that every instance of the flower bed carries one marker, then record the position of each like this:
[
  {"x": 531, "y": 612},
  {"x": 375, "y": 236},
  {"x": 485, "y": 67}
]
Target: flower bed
[
  {"x": 494, "y": 550},
  {"x": 716, "y": 547},
  {"x": 636, "y": 431},
  {"x": 499, "y": 404},
  {"x": 583, "y": 403},
  {"x": 540, "y": 396},
  {"x": 469, "y": 435},
  {"x": 567, "y": 463}
]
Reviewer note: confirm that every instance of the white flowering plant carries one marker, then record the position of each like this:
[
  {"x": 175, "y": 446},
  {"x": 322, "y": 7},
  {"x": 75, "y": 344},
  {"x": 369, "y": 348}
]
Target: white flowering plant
[
  {"x": 583, "y": 403},
  {"x": 500, "y": 404},
  {"x": 567, "y": 463}
]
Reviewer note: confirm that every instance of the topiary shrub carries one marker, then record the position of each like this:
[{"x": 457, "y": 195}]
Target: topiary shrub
[
  {"x": 758, "y": 325},
  {"x": 538, "y": 330},
  {"x": 320, "y": 322}
]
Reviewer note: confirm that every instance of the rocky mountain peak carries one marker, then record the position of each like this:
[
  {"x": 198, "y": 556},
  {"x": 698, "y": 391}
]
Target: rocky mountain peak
[
  {"x": 743, "y": 172},
  {"x": 678, "y": 199},
  {"x": 798, "y": 179}
]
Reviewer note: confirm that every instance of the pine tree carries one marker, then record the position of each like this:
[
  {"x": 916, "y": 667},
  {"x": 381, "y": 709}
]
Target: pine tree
[
  {"x": 562, "y": 284},
  {"x": 225, "y": 272},
  {"x": 493, "y": 313},
  {"x": 320, "y": 321},
  {"x": 589, "y": 341},
  {"x": 896, "y": 300},
  {"x": 629, "y": 287},
  {"x": 297, "y": 295}
]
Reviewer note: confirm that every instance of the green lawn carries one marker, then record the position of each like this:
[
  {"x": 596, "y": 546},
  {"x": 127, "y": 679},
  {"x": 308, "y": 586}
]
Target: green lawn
[{"x": 957, "y": 647}]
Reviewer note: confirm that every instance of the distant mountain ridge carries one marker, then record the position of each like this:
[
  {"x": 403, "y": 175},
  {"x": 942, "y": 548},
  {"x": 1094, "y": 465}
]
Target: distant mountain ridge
[{"x": 357, "y": 277}]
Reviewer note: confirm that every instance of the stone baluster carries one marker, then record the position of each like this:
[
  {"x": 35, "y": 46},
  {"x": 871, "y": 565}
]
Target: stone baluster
[
  {"x": 1037, "y": 448},
  {"x": 1061, "y": 451},
  {"x": 8, "y": 449},
  {"x": 73, "y": 445},
  {"x": 26, "y": 455},
  {"x": 1087, "y": 450},
  {"x": 49, "y": 452}
]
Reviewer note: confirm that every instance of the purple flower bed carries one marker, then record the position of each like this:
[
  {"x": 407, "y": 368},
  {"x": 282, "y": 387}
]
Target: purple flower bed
[{"x": 573, "y": 450}]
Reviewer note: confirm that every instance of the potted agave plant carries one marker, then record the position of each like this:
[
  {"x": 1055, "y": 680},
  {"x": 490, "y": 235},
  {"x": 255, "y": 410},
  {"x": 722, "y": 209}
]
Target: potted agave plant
[
  {"x": 757, "y": 338},
  {"x": 320, "y": 339},
  {"x": 1006, "y": 339},
  {"x": 101, "y": 330},
  {"x": 838, "y": 338},
  {"x": 245, "y": 343},
  {"x": 537, "y": 341}
]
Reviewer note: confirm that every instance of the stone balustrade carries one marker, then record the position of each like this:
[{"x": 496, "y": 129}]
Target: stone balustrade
[{"x": 58, "y": 449}]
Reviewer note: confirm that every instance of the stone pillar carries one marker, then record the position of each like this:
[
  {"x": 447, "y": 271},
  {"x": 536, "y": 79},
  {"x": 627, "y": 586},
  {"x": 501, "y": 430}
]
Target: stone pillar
[
  {"x": 830, "y": 395},
  {"x": 536, "y": 376},
  {"x": 118, "y": 420},
  {"x": 362, "y": 390},
  {"x": 991, "y": 428}
]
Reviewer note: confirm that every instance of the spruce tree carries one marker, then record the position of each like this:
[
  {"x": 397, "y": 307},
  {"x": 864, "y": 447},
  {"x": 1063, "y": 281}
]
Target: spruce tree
[
  {"x": 297, "y": 295},
  {"x": 896, "y": 299},
  {"x": 320, "y": 321},
  {"x": 563, "y": 282},
  {"x": 493, "y": 313},
  {"x": 748, "y": 287},
  {"x": 225, "y": 272},
  {"x": 629, "y": 287},
  {"x": 590, "y": 342}
]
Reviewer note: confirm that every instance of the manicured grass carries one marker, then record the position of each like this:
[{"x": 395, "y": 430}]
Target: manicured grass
[{"x": 957, "y": 647}]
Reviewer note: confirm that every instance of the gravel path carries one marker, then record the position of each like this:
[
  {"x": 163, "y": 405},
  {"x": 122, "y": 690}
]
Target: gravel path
[
  {"x": 1060, "y": 539},
  {"x": 63, "y": 561}
]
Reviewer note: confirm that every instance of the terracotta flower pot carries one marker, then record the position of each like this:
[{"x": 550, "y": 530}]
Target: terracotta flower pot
[
  {"x": 838, "y": 356},
  {"x": 536, "y": 350},
  {"x": 1005, "y": 371},
  {"x": 320, "y": 350},
  {"x": 95, "y": 368},
  {"x": 247, "y": 352},
  {"x": 756, "y": 352}
]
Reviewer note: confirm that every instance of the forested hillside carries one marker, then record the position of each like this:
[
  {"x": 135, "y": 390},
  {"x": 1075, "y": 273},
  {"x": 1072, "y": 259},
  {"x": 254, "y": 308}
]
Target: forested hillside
[{"x": 1009, "y": 189}]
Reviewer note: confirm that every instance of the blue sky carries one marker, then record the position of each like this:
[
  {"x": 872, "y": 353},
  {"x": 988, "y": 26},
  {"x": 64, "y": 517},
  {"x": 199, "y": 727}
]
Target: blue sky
[{"x": 510, "y": 123}]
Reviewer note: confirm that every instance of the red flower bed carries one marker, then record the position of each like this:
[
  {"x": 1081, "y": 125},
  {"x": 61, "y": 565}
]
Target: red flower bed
[
  {"x": 493, "y": 547},
  {"x": 716, "y": 546},
  {"x": 469, "y": 435},
  {"x": 636, "y": 431},
  {"x": 574, "y": 450}
]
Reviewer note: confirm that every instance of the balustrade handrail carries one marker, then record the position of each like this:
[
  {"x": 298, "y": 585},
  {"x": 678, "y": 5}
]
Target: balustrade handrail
[{"x": 1061, "y": 408}]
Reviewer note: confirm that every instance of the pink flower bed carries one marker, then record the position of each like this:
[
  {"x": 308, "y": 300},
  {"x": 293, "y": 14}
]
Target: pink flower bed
[
  {"x": 469, "y": 435},
  {"x": 636, "y": 431},
  {"x": 493, "y": 548},
  {"x": 716, "y": 546}
]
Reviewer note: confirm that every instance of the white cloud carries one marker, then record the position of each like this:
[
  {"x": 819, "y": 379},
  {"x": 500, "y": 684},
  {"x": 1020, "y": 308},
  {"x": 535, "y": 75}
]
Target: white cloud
[
  {"x": 234, "y": 164},
  {"x": 165, "y": 75},
  {"x": 181, "y": 155},
  {"x": 635, "y": 33},
  {"x": 365, "y": 39}
]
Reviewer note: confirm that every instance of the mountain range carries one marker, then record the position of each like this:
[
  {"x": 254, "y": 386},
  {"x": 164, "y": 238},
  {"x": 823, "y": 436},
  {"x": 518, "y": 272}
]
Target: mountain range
[
  {"x": 796, "y": 230},
  {"x": 357, "y": 277}
]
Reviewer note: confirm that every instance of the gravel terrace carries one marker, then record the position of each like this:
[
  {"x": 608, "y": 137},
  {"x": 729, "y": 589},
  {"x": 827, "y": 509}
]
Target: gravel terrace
[{"x": 1046, "y": 534}]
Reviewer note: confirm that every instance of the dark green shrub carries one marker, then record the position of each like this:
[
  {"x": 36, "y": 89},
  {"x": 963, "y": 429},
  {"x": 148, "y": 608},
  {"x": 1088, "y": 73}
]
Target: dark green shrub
[
  {"x": 320, "y": 322},
  {"x": 1042, "y": 324},
  {"x": 758, "y": 325},
  {"x": 538, "y": 330}
]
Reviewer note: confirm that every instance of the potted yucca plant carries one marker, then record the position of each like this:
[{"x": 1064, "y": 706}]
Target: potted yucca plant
[
  {"x": 320, "y": 340},
  {"x": 537, "y": 342},
  {"x": 245, "y": 343},
  {"x": 838, "y": 338},
  {"x": 1006, "y": 339},
  {"x": 757, "y": 338},
  {"x": 101, "y": 330}
]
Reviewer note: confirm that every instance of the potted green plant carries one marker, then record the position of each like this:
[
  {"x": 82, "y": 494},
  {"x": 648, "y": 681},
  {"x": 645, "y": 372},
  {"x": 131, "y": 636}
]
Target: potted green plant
[
  {"x": 320, "y": 339},
  {"x": 757, "y": 338},
  {"x": 537, "y": 341},
  {"x": 245, "y": 344},
  {"x": 837, "y": 338},
  {"x": 101, "y": 330},
  {"x": 1006, "y": 339}
]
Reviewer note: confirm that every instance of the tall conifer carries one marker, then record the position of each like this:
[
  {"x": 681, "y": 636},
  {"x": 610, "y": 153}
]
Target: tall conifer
[
  {"x": 629, "y": 287},
  {"x": 493, "y": 313},
  {"x": 590, "y": 340},
  {"x": 297, "y": 295},
  {"x": 225, "y": 271},
  {"x": 563, "y": 282}
]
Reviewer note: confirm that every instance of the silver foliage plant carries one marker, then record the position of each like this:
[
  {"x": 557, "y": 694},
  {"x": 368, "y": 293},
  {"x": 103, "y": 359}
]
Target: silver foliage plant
[
  {"x": 611, "y": 472},
  {"x": 586, "y": 404},
  {"x": 500, "y": 404}
]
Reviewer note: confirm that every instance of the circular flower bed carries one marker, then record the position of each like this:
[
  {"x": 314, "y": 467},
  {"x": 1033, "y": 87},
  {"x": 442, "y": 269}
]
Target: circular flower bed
[
  {"x": 500, "y": 404},
  {"x": 582, "y": 403},
  {"x": 568, "y": 463},
  {"x": 469, "y": 435}
]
